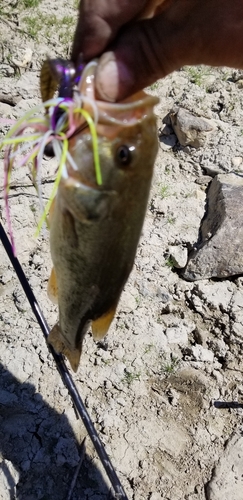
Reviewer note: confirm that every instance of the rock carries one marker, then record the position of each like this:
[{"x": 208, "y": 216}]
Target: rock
[
  {"x": 121, "y": 401},
  {"x": 202, "y": 354},
  {"x": 26, "y": 59},
  {"x": 128, "y": 302},
  {"x": 177, "y": 334},
  {"x": 167, "y": 141},
  {"x": 204, "y": 179},
  {"x": 236, "y": 161},
  {"x": 155, "y": 496},
  {"x": 219, "y": 253},
  {"x": 227, "y": 480},
  {"x": 157, "y": 333},
  {"x": 5, "y": 110},
  {"x": 240, "y": 84},
  {"x": 9, "y": 478},
  {"x": 212, "y": 170},
  {"x": 189, "y": 129},
  {"x": 178, "y": 255}
]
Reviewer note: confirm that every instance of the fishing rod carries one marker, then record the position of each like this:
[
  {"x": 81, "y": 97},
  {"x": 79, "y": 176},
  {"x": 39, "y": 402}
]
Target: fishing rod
[{"x": 119, "y": 493}]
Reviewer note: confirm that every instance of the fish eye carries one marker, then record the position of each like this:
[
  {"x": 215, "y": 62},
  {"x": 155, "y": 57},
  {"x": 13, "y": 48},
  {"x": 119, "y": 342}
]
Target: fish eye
[{"x": 124, "y": 155}]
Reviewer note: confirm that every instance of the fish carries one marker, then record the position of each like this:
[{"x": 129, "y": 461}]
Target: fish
[{"x": 95, "y": 229}]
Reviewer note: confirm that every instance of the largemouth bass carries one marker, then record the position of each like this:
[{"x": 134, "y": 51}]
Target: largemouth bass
[{"x": 94, "y": 230}]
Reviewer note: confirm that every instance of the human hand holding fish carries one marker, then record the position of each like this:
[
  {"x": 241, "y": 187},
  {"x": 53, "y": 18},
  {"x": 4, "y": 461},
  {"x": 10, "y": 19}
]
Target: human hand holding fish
[{"x": 141, "y": 41}]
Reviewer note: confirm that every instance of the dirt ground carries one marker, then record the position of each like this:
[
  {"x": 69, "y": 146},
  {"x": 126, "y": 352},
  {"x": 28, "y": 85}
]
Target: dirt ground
[{"x": 164, "y": 389}]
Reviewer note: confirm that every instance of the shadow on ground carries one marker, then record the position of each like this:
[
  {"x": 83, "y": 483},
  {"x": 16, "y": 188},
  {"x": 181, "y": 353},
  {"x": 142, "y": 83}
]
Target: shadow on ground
[{"x": 38, "y": 449}]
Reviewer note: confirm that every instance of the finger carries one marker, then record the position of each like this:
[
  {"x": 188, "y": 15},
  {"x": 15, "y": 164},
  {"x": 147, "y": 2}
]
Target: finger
[
  {"x": 189, "y": 32},
  {"x": 99, "y": 22},
  {"x": 142, "y": 54}
]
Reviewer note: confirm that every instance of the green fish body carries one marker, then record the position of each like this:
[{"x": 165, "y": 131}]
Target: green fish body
[{"x": 94, "y": 230}]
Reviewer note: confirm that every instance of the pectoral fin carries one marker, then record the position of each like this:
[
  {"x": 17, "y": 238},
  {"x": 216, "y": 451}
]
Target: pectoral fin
[
  {"x": 55, "y": 338},
  {"x": 52, "y": 290},
  {"x": 101, "y": 325}
]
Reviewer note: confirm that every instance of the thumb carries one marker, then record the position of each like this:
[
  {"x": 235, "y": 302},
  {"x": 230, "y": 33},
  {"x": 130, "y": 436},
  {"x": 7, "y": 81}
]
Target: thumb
[
  {"x": 187, "y": 32},
  {"x": 142, "y": 53}
]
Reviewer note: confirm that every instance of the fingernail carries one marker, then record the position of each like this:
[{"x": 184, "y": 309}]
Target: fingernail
[{"x": 112, "y": 78}]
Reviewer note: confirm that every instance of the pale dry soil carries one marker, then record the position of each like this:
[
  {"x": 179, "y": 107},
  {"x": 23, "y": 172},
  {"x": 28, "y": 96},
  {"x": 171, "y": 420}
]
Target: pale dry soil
[{"x": 165, "y": 388}]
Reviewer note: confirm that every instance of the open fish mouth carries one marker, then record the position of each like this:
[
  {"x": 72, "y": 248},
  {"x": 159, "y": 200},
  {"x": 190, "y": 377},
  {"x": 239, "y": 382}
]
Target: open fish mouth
[{"x": 125, "y": 113}]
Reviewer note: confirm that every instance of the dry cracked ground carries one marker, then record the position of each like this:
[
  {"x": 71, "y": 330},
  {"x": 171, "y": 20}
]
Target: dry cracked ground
[{"x": 165, "y": 388}]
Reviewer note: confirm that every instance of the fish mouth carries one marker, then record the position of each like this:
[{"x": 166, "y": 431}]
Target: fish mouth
[
  {"x": 109, "y": 119},
  {"x": 128, "y": 112}
]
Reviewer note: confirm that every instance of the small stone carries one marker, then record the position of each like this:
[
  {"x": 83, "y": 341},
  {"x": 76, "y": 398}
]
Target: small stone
[
  {"x": 108, "y": 385},
  {"x": 157, "y": 334},
  {"x": 240, "y": 84},
  {"x": 121, "y": 401},
  {"x": 201, "y": 336},
  {"x": 119, "y": 369},
  {"x": 6, "y": 276},
  {"x": 202, "y": 354},
  {"x": 177, "y": 335},
  {"x": 203, "y": 180},
  {"x": 211, "y": 170},
  {"x": 167, "y": 141},
  {"x": 5, "y": 110},
  {"x": 155, "y": 240},
  {"x": 9, "y": 478},
  {"x": 128, "y": 302},
  {"x": 105, "y": 355},
  {"x": 178, "y": 255},
  {"x": 163, "y": 295},
  {"x": 173, "y": 396},
  {"x": 190, "y": 130},
  {"x": 236, "y": 161},
  {"x": 155, "y": 496}
]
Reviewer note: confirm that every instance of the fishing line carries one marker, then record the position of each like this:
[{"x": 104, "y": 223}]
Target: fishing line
[{"x": 119, "y": 493}]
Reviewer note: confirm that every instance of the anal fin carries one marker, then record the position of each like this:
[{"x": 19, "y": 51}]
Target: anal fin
[{"x": 101, "y": 325}]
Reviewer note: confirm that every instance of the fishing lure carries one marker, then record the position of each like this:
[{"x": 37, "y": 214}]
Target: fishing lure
[{"x": 52, "y": 122}]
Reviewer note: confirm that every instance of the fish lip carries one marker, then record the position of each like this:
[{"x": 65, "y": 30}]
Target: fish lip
[
  {"x": 111, "y": 113},
  {"x": 127, "y": 112},
  {"x": 140, "y": 99}
]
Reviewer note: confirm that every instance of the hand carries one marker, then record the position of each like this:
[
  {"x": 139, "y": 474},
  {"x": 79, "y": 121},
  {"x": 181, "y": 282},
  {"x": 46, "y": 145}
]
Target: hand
[{"x": 142, "y": 41}]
